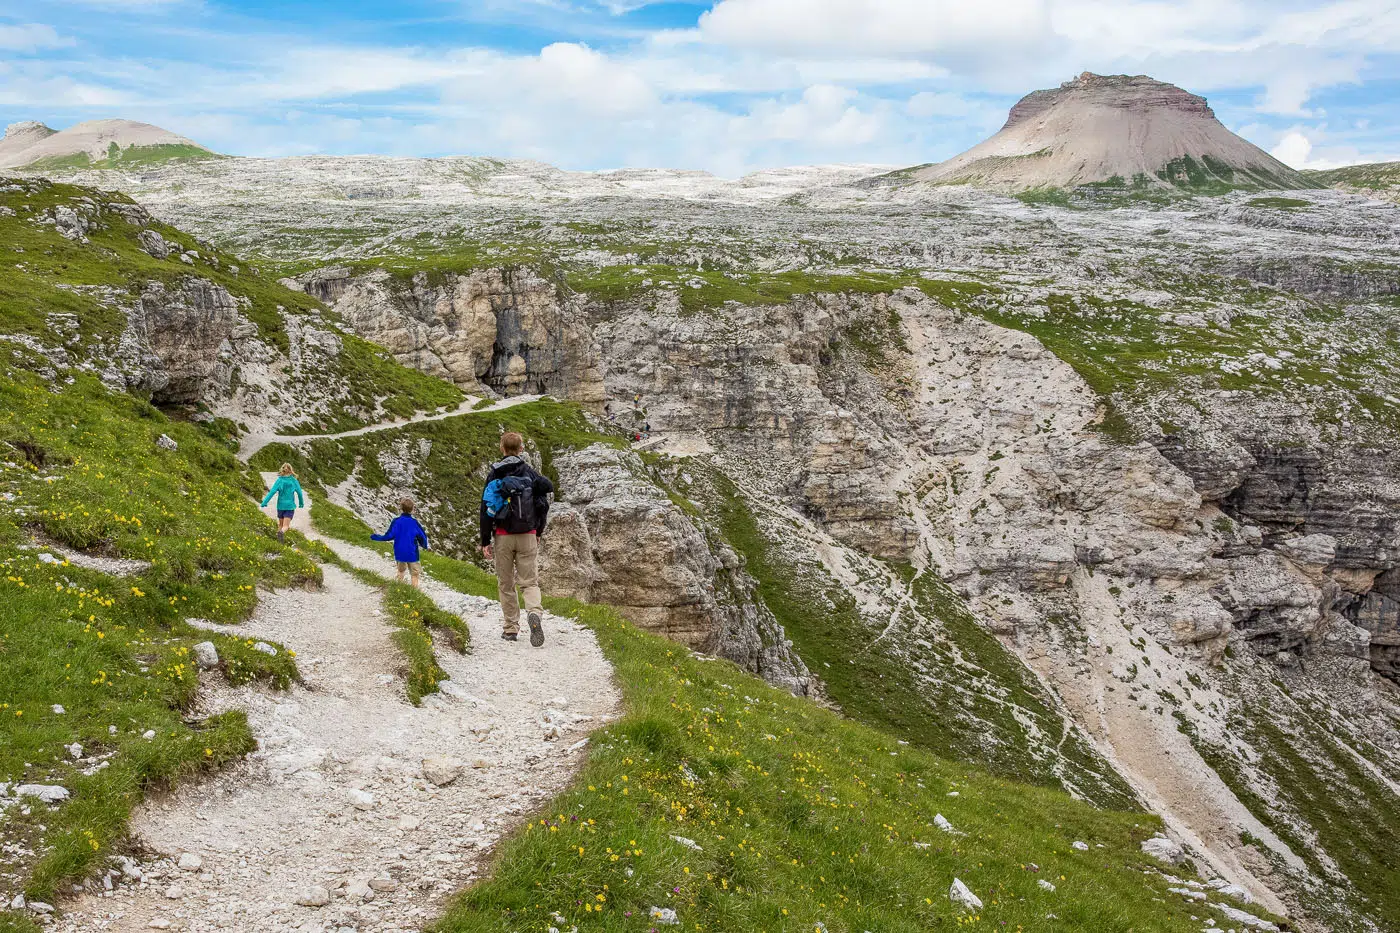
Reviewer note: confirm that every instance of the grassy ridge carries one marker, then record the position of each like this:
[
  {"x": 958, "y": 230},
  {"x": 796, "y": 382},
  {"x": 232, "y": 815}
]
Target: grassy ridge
[{"x": 80, "y": 468}]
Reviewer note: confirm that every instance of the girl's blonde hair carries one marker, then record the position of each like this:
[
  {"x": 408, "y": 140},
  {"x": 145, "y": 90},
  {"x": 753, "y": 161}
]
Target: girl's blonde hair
[{"x": 286, "y": 470}]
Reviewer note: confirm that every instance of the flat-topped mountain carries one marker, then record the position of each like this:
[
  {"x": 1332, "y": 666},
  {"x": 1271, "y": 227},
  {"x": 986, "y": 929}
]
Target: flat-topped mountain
[
  {"x": 1114, "y": 129},
  {"x": 100, "y": 143}
]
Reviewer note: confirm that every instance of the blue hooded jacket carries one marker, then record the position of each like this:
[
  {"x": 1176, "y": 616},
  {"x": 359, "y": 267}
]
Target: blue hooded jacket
[
  {"x": 407, "y": 536},
  {"x": 288, "y": 493}
]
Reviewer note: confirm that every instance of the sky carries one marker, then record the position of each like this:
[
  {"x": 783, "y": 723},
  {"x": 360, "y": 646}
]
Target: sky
[{"x": 727, "y": 86}]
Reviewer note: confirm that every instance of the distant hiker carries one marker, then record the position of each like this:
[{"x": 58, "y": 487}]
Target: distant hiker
[
  {"x": 289, "y": 498},
  {"x": 514, "y": 509},
  {"x": 407, "y": 536}
]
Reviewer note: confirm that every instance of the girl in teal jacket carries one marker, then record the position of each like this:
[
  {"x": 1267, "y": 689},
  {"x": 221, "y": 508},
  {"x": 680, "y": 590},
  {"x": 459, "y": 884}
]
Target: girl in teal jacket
[{"x": 289, "y": 498}]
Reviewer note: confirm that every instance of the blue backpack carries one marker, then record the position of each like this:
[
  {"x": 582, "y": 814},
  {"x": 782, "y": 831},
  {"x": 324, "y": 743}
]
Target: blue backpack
[{"x": 510, "y": 502}]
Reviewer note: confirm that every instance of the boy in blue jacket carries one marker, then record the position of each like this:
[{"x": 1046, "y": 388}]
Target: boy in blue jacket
[{"x": 407, "y": 536}]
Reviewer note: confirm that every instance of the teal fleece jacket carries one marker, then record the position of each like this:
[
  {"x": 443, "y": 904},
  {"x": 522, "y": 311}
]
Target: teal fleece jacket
[{"x": 288, "y": 493}]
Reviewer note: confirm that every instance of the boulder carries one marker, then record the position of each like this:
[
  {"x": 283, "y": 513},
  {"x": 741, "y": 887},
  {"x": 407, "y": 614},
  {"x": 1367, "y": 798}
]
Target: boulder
[
  {"x": 206, "y": 656},
  {"x": 1165, "y": 850},
  {"x": 962, "y": 895},
  {"x": 441, "y": 770}
]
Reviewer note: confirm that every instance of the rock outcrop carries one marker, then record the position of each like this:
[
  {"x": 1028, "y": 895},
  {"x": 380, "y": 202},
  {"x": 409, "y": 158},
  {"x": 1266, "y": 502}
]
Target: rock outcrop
[
  {"x": 496, "y": 331},
  {"x": 615, "y": 537}
]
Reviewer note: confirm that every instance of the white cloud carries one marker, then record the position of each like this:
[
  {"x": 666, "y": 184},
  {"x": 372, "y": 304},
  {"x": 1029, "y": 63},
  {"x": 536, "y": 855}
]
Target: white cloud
[
  {"x": 919, "y": 29},
  {"x": 31, "y": 38},
  {"x": 755, "y": 83},
  {"x": 1313, "y": 148}
]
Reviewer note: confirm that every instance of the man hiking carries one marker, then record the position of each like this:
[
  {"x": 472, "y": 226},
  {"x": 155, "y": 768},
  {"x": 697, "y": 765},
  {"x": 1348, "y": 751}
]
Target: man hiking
[{"x": 514, "y": 509}]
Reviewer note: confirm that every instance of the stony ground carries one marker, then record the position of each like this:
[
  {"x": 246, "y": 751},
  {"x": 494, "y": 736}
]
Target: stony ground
[{"x": 333, "y": 824}]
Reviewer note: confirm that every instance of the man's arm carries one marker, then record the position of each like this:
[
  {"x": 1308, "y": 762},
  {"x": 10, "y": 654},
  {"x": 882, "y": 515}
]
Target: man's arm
[
  {"x": 543, "y": 489},
  {"x": 488, "y": 527}
]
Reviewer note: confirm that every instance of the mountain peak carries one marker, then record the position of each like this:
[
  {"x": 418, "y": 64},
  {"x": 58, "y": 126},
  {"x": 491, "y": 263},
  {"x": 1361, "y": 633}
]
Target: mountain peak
[
  {"x": 31, "y": 143},
  {"x": 31, "y": 130},
  {"x": 1114, "y": 129}
]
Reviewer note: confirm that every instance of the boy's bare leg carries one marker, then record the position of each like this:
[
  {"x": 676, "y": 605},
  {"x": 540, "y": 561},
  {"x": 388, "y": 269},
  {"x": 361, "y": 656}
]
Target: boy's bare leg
[{"x": 414, "y": 575}]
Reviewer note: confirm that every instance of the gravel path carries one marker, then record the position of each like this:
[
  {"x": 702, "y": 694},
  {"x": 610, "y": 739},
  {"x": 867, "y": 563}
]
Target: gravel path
[
  {"x": 257, "y": 440},
  {"x": 335, "y": 804}
]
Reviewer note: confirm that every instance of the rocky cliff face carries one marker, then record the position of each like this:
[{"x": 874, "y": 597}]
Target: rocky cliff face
[
  {"x": 493, "y": 332},
  {"x": 616, "y": 538}
]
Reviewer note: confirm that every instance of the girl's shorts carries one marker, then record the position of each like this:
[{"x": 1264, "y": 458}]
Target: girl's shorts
[{"x": 286, "y": 513}]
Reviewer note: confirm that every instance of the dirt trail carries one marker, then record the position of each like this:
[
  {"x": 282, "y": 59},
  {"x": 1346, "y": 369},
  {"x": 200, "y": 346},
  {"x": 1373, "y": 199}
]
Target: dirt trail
[
  {"x": 257, "y": 440},
  {"x": 335, "y": 797}
]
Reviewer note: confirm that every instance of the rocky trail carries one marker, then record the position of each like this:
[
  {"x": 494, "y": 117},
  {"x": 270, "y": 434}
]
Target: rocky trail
[
  {"x": 257, "y": 440},
  {"x": 358, "y": 811}
]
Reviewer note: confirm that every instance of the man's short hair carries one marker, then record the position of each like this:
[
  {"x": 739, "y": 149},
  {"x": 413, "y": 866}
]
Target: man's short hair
[
  {"x": 406, "y": 505},
  {"x": 512, "y": 443}
]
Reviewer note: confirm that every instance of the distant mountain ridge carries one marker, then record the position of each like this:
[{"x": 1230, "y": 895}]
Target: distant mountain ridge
[
  {"x": 1128, "y": 131},
  {"x": 95, "y": 143}
]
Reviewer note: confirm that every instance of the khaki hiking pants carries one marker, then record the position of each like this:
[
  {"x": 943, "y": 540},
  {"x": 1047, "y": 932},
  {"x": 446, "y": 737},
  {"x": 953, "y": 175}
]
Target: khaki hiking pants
[{"x": 517, "y": 564}]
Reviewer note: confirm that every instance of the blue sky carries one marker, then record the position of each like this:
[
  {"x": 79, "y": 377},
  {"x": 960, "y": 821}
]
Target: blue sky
[{"x": 723, "y": 85}]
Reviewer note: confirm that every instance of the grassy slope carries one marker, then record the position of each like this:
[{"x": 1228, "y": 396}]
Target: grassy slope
[
  {"x": 1383, "y": 177},
  {"x": 84, "y": 471},
  {"x": 802, "y": 818},
  {"x": 1330, "y": 808},
  {"x": 43, "y": 274}
]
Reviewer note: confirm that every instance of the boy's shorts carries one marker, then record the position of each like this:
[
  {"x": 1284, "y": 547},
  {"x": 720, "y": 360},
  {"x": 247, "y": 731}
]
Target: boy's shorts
[
  {"x": 411, "y": 565},
  {"x": 286, "y": 513}
]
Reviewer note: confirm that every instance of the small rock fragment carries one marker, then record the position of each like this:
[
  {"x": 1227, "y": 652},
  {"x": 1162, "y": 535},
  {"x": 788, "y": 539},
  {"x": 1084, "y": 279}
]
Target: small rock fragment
[
  {"x": 314, "y": 896},
  {"x": 361, "y": 799},
  {"x": 190, "y": 862},
  {"x": 48, "y": 793},
  {"x": 663, "y": 916},
  {"x": 1079, "y": 846},
  {"x": 165, "y": 442},
  {"x": 265, "y": 648},
  {"x": 961, "y": 894},
  {"x": 206, "y": 656},
  {"x": 441, "y": 770},
  {"x": 1044, "y": 885}
]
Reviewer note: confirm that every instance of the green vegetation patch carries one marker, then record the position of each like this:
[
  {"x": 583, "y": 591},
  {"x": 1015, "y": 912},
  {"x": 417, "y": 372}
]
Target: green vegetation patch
[
  {"x": 1276, "y": 203},
  {"x": 131, "y": 157},
  {"x": 43, "y": 272},
  {"x": 104, "y": 661}
]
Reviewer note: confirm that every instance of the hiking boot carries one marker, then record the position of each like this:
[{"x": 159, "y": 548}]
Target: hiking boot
[
  {"x": 536, "y": 630},
  {"x": 509, "y": 636},
  {"x": 281, "y": 537}
]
